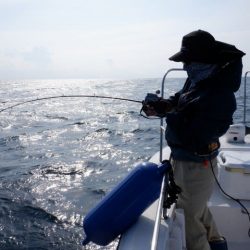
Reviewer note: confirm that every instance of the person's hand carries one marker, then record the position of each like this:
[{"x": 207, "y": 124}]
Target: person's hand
[
  {"x": 162, "y": 106},
  {"x": 149, "y": 110},
  {"x": 156, "y": 106}
]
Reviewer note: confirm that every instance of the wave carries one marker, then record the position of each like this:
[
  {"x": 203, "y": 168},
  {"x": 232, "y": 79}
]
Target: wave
[
  {"x": 11, "y": 143},
  {"x": 61, "y": 171},
  {"x": 16, "y": 207},
  {"x": 57, "y": 117},
  {"x": 100, "y": 130}
]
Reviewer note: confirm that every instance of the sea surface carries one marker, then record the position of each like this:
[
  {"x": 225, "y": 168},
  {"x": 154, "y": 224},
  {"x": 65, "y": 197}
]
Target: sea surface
[{"x": 59, "y": 157}]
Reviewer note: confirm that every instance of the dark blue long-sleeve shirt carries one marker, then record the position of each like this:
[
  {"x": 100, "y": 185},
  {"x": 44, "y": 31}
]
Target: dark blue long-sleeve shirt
[{"x": 202, "y": 112}]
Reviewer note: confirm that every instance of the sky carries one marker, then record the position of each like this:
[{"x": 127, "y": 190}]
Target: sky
[{"x": 114, "y": 39}]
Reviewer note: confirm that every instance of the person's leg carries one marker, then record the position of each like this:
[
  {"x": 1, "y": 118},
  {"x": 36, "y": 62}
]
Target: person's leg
[
  {"x": 209, "y": 224},
  {"x": 196, "y": 181}
]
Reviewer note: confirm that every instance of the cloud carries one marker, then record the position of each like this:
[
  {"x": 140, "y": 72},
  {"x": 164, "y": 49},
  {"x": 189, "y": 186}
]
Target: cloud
[
  {"x": 37, "y": 56},
  {"x": 19, "y": 63},
  {"x": 109, "y": 39}
]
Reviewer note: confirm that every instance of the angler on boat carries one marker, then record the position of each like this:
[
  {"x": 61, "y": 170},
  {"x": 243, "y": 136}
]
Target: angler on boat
[{"x": 197, "y": 117}]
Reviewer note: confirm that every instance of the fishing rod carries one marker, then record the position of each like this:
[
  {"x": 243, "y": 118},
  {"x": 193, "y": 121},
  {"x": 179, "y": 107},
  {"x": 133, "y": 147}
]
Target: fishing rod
[
  {"x": 70, "y": 96},
  {"x": 149, "y": 99}
]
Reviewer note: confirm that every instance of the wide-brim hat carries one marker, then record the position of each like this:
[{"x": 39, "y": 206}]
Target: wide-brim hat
[{"x": 200, "y": 46}]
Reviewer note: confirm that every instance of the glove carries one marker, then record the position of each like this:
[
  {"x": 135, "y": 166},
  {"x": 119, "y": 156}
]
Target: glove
[{"x": 155, "y": 106}]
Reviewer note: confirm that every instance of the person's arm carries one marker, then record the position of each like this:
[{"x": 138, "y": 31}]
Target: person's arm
[
  {"x": 202, "y": 121},
  {"x": 159, "y": 106}
]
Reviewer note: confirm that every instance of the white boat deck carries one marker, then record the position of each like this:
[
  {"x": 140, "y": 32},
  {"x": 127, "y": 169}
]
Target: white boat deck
[{"x": 231, "y": 220}]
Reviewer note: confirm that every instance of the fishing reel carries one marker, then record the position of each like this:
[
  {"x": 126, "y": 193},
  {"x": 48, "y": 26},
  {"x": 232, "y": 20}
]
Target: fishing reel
[
  {"x": 153, "y": 105},
  {"x": 151, "y": 98},
  {"x": 148, "y": 104}
]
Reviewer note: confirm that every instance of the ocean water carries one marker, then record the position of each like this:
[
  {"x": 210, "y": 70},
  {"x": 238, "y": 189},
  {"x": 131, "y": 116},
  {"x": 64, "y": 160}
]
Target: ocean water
[{"x": 59, "y": 157}]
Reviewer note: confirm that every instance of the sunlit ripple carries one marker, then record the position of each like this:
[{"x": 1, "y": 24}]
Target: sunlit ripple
[{"x": 60, "y": 157}]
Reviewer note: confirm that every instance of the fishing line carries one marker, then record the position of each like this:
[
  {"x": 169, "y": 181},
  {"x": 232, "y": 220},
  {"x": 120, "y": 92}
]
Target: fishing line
[{"x": 71, "y": 96}]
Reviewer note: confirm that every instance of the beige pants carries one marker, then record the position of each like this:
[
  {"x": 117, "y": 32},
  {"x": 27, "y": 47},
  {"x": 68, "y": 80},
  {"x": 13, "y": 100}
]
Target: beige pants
[{"x": 196, "y": 181}]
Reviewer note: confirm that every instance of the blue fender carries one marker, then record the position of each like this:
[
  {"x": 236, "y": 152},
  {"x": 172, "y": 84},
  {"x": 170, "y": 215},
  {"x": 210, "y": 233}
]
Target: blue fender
[{"x": 120, "y": 208}]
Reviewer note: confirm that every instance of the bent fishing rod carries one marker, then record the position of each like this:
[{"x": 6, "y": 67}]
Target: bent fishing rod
[
  {"x": 149, "y": 98},
  {"x": 70, "y": 96}
]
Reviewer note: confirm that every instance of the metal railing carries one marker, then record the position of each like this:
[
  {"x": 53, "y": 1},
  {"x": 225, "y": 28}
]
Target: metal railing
[
  {"x": 165, "y": 178},
  {"x": 162, "y": 95},
  {"x": 245, "y": 98}
]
